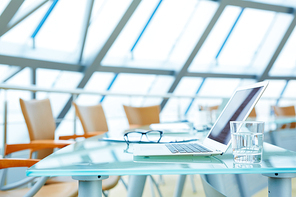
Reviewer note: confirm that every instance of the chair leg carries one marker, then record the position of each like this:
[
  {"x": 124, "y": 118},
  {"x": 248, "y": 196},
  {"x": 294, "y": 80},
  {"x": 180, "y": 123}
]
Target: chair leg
[
  {"x": 161, "y": 180},
  {"x": 152, "y": 181},
  {"x": 192, "y": 183},
  {"x": 37, "y": 186},
  {"x": 180, "y": 185},
  {"x": 105, "y": 193},
  {"x": 123, "y": 182},
  {"x": 151, "y": 187}
]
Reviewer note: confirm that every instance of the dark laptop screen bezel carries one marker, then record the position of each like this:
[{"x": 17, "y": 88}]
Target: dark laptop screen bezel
[{"x": 249, "y": 96}]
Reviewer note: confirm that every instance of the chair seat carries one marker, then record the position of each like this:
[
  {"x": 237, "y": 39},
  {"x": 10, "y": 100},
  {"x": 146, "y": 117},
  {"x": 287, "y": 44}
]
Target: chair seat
[
  {"x": 89, "y": 134},
  {"x": 109, "y": 183},
  {"x": 59, "y": 179},
  {"x": 52, "y": 190}
]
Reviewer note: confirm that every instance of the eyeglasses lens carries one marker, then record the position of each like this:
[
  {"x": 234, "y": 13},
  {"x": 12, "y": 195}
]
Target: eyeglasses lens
[
  {"x": 134, "y": 137},
  {"x": 153, "y": 136}
]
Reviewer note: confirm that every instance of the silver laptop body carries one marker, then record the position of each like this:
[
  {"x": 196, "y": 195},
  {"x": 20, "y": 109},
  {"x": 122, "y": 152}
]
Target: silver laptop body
[{"x": 218, "y": 139}]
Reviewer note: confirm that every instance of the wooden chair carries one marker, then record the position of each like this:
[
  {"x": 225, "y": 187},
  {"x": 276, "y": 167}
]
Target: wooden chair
[
  {"x": 41, "y": 126},
  {"x": 142, "y": 116},
  {"x": 253, "y": 114},
  {"x": 40, "y": 123},
  {"x": 68, "y": 189},
  {"x": 212, "y": 108},
  {"x": 282, "y": 112},
  {"x": 206, "y": 108},
  {"x": 93, "y": 121}
]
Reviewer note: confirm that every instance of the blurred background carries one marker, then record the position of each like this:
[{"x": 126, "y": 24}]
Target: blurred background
[{"x": 185, "y": 56}]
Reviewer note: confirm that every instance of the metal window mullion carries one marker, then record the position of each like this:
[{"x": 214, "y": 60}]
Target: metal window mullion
[
  {"x": 21, "y": 18},
  {"x": 44, "y": 18},
  {"x": 192, "y": 100},
  {"x": 5, "y": 122},
  {"x": 281, "y": 45},
  {"x": 34, "y": 63},
  {"x": 97, "y": 61},
  {"x": 261, "y": 6},
  {"x": 109, "y": 87},
  {"x": 89, "y": 8},
  {"x": 263, "y": 41},
  {"x": 12, "y": 75},
  {"x": 220, "y": 75},
  {"x": 197, "y": 47},
  {"x": 182, "y": 32},
  {"x": 145, "y": 27},
  {"x": 227, "y": 37},
  {"x": 8, "y": 13},
  {"x": 33, "y": 81},
  {"x": 150, "y": 88},
  {"x": 281, "y": 95}
]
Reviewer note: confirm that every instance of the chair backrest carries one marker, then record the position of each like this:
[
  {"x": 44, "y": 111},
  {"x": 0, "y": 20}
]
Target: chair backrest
[
  {"x": 253, "y": 114},
  {"x": 210, "y": 108},
  {"x": 40, "y": 121},
  {"x": 215, "y": 107},
  {"x": 92, "y": 118},
  {"x": 284, "y": 111},
  {"x": 141, "y": 116}
]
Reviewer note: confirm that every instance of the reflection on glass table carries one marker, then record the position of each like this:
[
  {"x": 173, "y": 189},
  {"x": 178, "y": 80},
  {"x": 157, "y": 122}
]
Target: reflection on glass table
[
  {"x": 278, "y": 123},
  {"x": 92, "y": 160},
  {"x": 279, "y": 136}
]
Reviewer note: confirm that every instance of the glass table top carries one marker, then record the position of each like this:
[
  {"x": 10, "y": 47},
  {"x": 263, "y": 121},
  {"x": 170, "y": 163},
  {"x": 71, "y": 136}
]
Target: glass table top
[
  {"x": 94, "y": 157},
  {"x": 282, "y": 120}
]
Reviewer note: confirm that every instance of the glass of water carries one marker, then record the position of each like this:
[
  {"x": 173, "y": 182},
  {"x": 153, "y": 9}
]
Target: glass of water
[{"x": 247, "y": 141}]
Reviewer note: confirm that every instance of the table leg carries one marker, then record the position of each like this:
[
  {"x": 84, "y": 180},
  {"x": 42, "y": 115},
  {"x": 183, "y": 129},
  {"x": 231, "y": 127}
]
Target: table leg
[
  {"x": 136, "y": 185},
  {"x": 180, "y": 186},
  {"x": 90, "y": 186},
  {"x": 279, "y": 184}
]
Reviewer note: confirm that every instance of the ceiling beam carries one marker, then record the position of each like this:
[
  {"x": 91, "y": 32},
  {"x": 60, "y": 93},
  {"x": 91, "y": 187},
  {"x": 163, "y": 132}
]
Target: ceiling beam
[
  {"x": 96, "y": 64},
  {"x": 281, "y": 77},
  {"x": 33, "y": 63},
  {"x": 97, "y": 61},
  {"x": 135, "y": 70},
  {"x": 8, "y": 13},
  {"x": 23, "y": 16},
  {"x": 265, "y": 74},
  {"x": 220, "y": 75},
  {"x": 14, "y": 72},
  {"x": 197, "y": 47},
  {"x": 86, "y": 23},
  {"x": 261, "y": 6}
]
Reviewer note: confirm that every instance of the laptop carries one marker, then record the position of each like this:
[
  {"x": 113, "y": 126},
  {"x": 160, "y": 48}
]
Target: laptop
[{"x": 218, "y": 139}]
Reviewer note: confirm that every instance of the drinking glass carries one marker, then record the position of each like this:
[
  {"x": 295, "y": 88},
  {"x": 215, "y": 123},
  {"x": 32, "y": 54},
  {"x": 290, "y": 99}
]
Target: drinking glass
[{"x": 247, "y": 141}]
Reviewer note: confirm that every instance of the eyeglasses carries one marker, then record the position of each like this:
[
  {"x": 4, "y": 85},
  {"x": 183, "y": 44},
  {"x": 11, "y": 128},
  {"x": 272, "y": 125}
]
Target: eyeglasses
[{"x": 136, "y": 136}]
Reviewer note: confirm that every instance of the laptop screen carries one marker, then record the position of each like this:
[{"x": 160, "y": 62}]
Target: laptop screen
[{"x": 237, "y": 109}]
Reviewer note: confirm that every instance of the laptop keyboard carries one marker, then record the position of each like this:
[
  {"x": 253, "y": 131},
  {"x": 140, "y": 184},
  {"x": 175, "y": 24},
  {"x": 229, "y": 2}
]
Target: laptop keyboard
[{"x": 187, "y": 148}]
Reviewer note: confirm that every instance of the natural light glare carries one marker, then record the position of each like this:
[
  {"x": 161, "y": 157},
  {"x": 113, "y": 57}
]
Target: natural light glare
[
  {"x": 156, "y": 47},
  {"x": 246, "y": 38}
]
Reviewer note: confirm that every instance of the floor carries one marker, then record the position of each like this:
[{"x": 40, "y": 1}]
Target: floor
[{"x": 168, "y": 187}]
